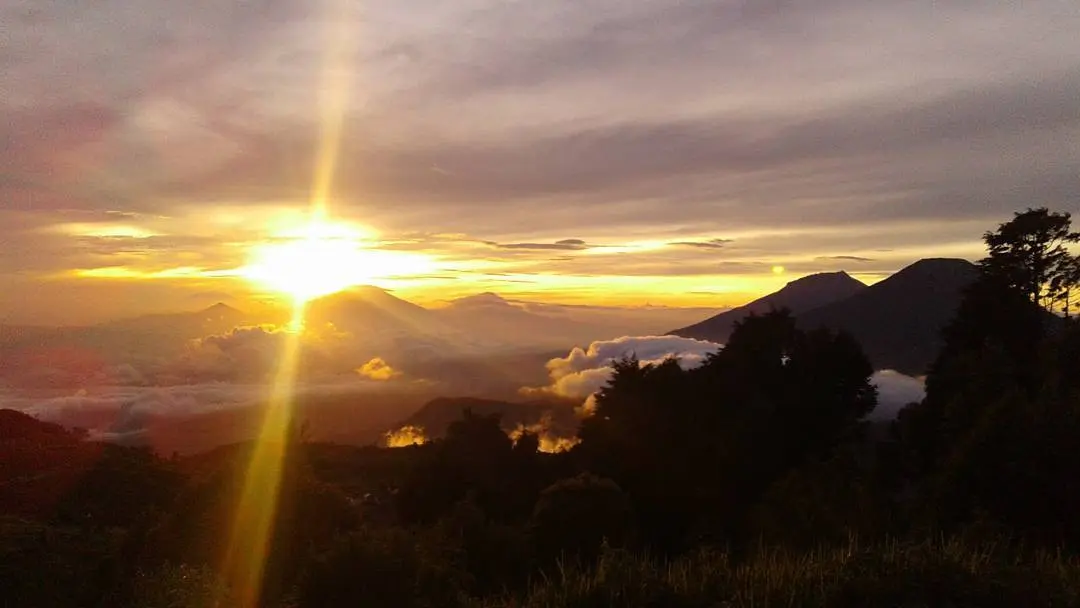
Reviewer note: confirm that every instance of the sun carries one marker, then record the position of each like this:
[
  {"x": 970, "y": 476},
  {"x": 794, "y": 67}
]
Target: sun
[{"x": 322, "y": 257}]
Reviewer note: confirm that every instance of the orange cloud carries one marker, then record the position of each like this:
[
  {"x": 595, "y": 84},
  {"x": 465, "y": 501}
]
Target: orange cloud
[
  {"x": 377, "y": 369},
  {"x": 406, "y": 436}
]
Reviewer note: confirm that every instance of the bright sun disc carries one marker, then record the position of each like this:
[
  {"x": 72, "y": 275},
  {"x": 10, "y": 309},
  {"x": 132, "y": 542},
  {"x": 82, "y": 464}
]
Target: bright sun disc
[{"x": 324, "y": 258}]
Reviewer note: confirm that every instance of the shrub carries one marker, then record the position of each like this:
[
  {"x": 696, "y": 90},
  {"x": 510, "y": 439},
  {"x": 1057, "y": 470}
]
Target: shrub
[
  {"x": 386, "y": 567},
  {"x": 574, "y": 516}
]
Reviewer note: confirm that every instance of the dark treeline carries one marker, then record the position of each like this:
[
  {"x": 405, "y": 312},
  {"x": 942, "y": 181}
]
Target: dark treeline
[{"x": 753, "y": 479}]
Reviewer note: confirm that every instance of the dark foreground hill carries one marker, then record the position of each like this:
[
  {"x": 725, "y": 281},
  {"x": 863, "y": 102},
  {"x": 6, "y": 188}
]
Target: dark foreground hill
[
  {"x": 797, "y": 296},
  {"x": 899, "y": 320}
]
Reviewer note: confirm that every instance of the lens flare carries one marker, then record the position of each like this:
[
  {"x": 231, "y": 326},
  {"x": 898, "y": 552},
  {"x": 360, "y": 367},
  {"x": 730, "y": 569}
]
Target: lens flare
[
  {"x": 323, "y": 257},
  {"x": 246, "y": 552},
  {"x": 253, "y": 519}
]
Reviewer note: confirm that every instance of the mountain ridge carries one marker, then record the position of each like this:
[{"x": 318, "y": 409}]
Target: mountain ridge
[
  {"x": 801, "y": 295},
  {"x": 898, "y": 320}
]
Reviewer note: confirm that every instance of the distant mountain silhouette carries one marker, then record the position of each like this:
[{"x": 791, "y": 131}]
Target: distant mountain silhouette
[
  {"x": 366, "y": 307},
  {"x": 216, "y": 319},
  {"x": 221, "y": 309},
  {"x": 799, "y": 296},
  {"x": 899, "y": 320},
  {"x": 482, "y": 300},
  {"x": 489, "y": 314},
  {"x": 15, "y": 425}
]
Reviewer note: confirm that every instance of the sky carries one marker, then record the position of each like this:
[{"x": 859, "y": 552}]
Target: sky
[{"x": 580, "y": 151}]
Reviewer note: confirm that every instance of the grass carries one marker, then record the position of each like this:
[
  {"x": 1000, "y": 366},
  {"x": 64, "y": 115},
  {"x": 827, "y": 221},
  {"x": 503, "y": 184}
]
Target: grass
[
  {"x": 941, "y": 573},
  {"x": 44, "y": 566}
]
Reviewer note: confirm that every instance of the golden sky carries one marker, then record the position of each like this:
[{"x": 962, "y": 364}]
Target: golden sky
[
  {"x": 120, "y": 264},
  {"x": 681, "y": 154}
]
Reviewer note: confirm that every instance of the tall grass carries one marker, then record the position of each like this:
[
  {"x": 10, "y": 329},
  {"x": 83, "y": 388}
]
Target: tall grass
[{"x": 932, "y": 573}]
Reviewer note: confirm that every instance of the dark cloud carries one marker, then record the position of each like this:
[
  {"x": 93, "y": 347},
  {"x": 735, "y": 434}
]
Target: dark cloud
[
  {"x": 563, "y": 245},
  {"x": 843, "y": 258},
  {"x": 710, "y": 244}
]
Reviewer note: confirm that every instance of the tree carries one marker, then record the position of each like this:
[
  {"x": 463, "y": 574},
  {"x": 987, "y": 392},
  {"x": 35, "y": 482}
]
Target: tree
[
  {"x": 994, "y": 440},
  {"x": 1029, "y": 253},
  {"x": 697, "y": 448},
  {"x": 1065, "y": 283}
]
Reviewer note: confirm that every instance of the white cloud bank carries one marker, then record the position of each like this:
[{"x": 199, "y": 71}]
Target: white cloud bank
[{"x": 583, "y": 372}]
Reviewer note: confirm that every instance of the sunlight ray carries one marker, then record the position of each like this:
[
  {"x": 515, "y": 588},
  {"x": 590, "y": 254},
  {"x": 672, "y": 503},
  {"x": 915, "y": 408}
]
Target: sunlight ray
[
  {"x": 253, "y": 519},
  {"x": 252, "y": 530}
]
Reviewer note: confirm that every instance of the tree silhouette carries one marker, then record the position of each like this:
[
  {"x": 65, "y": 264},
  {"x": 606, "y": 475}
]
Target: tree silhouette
[
  {"x": 1029, "y": 253},
  {"x": 1065, "y": 283},
  {"x": 575, "y": 516},
  {"x": 696, "y": 448},
  {"x": 994, "y": 440}
]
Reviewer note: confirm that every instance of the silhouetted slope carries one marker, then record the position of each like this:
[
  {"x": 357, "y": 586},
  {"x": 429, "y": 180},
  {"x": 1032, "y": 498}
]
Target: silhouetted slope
[
  {"x": 365, "y": 306},
  {"x": 216, "y": 319},
  {"x": 899, "y": 320},
  {"x": 376, "y": 315},
  {"x": 488, "y": 314},
  {"x": 15, "y": 425},
  {"x": 799, "y": 296}
]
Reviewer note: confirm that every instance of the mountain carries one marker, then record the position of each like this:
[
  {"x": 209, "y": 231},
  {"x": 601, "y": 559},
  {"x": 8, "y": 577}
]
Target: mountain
[
  {"x": 369, "y": 308},
  {"x": 217, "y": 319},
  {"x": 43, "y": 357},
  {"x": 488, "y": 314},
  {"x": 898, "y": 321},
  {"x": 384, "y": 324},
  {"x": 799, "y": 296},
  {"x": 481, "y": 301}
]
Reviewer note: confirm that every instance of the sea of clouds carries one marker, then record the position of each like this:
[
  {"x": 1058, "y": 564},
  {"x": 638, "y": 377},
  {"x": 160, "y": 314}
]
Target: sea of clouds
[{"x": 584, "y": 371}]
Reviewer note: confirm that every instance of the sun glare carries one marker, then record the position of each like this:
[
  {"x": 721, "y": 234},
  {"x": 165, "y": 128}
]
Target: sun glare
[{"x": 322, "y": 258}]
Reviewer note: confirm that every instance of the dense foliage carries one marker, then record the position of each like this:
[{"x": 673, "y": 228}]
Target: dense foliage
[{"x": 752, "y": 479}]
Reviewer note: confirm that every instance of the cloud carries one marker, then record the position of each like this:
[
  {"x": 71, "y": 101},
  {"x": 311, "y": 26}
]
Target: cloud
[
  {"x": 552, "y": 440},
  {"x": 709, "y": 244},
  {"x": 117, "y": 411},
  {"x": 582, "y": 372},
  {"x": 245, "y": 353},
  {"x": 563, "y": 245},
  {"x": 615, "y": 119},
  {"x": 406, "y": 436},
  {"x": 895, "y": 392},
  {"x": 843, "y": 258},
  {"x": 252, "y": 354},
  {"x": 202, "y": 416},
  {"x": 377, "y": 369}
]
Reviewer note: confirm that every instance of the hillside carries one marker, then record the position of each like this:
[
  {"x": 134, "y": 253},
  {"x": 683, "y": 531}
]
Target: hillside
[{"x": 899, "y": 320}]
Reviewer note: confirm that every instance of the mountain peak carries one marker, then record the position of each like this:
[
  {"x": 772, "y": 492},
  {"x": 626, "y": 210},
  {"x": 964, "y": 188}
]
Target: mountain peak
[
  {"x": 823, "y": 276},
  {"x": 898, "y": 321},
  {"x": 800, "y": 295},
  {"x": 221, "y": 308},
  {"x": 487, "y": 298},
  {"x": 825, "y": 279},
  {"x": 939, "y": 266},
  {"x": 358, "y": 293}
]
